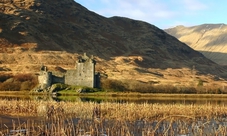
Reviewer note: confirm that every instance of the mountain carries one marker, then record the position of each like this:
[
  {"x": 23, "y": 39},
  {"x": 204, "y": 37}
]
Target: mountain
[
  {"x": 209, "y": 39},
  {"x": 55, "y": 33}
]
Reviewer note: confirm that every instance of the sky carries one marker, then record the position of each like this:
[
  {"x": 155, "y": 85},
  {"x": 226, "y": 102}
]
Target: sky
[{"x": 162, "y": 13}]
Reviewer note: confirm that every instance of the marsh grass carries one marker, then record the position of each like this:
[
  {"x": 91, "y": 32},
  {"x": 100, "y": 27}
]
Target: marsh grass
[{"x": 89, "y": 118}]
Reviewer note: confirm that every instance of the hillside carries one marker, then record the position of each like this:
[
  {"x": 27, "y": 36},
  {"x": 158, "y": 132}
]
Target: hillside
[
  {"x": 55, "y": 33},
  {"x": 209, "y": 39}
]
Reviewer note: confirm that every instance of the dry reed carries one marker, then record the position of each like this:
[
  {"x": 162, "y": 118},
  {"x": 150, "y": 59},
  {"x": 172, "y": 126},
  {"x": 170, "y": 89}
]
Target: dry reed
[{"x": 89, "y": 118}]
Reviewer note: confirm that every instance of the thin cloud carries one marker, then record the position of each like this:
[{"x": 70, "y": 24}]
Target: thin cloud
[
  {"x": 106, "y": 1},
  {"x": 194, "y": 5},
  {"x": 142, "y": 10},
  {"x": 162, "y": 13}
]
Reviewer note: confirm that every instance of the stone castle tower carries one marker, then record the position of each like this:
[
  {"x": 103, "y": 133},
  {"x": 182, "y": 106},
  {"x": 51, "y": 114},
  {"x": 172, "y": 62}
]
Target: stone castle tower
[
  {"x": 44, "y": 78},
  {"x": 84, "y": 74}
]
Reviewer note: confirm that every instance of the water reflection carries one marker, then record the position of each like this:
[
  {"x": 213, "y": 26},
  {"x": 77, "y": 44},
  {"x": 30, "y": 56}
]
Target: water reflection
[
  {"x": 99, "y": 99},
  {"x": 26, "y": 97},
  {"x": 166, "y": 100}
]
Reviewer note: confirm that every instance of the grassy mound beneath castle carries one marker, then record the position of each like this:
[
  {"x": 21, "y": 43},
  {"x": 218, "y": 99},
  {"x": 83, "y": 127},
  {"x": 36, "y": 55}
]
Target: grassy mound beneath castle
[{"x": 63, "y": 89}]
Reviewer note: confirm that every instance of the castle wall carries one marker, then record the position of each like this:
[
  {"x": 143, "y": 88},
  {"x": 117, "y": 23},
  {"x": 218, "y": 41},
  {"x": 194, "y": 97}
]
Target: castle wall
[
  {"x": 82, "y": 76},
  {"x": 58, "y": 79},
  {"x": 85, "y": 74},
  {"x": 70, "y": 77}
]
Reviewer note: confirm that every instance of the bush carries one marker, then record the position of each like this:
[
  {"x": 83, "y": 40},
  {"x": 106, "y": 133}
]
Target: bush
[
  {"x": 200, "y": 82},
  {"x": 28, "y": 81},
  {"x": 143, "y": 87},
  {"x": 27, "y": 85},
  {"x": 18, "y": 82},
  {"x": 187, "y": 90},
  {"x": 8, "y": 86},
  {"x": 112, "y": 85},
  {"x": 23, "y": 77},
  {"x": 138, "y": 86}
]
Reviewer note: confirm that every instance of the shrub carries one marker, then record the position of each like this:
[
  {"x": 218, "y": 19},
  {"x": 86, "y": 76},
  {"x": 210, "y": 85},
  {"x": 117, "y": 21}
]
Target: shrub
[
  {"x": 168, "y": 89},
  {"x": 112, "y": 85},
  {"x": 27, "y": 85},
  {"x": 200, "y": 82},
  {"x": 144, "y": 87},
  {"x": 138, "y": 86},
  {"x": 187, "y": 90},
  {"x": 28, "y": 81},
  {"x": 18, "y": 82},
  {"x": 23, "y": 77},
  {"x": 8, "y": 86}
]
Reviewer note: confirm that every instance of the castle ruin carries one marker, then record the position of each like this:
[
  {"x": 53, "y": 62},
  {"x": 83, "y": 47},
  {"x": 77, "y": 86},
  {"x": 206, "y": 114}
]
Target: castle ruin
[{"x": 83, "y": 75}]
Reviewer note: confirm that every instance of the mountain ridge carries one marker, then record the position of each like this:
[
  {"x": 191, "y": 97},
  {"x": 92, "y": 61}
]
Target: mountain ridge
[
  {"x": 35, "y": 32},
  {"x": 209, "y": 39}
]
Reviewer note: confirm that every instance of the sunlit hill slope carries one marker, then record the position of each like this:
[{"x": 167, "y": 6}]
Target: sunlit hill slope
[
  {"x": 55, "y": 33},
  {"x": 209, "y": 39}
]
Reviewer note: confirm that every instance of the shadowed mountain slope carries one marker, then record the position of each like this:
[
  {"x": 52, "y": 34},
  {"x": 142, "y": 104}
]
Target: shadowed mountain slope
[
  {"x": 209, "y": 39},
  {"x": 54, "y": 33}
]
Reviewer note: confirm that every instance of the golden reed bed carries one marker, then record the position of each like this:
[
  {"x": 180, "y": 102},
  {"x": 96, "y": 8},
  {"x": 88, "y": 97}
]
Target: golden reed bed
[{"x": 80, "y": 118}]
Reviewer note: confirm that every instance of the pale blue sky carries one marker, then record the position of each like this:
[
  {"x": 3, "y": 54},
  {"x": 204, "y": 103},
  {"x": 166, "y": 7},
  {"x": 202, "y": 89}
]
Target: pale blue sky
[{"x": 162, "y": 13}]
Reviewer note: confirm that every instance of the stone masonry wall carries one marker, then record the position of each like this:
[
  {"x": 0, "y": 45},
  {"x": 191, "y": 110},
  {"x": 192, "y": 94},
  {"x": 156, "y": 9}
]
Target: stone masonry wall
[
  {"x": 83, "y": 75},
  {"x": 45, "y": 79}
]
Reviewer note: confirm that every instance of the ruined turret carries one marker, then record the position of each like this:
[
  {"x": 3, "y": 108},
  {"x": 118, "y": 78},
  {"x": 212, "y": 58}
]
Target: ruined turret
[{"x": 44, "y": 78}]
